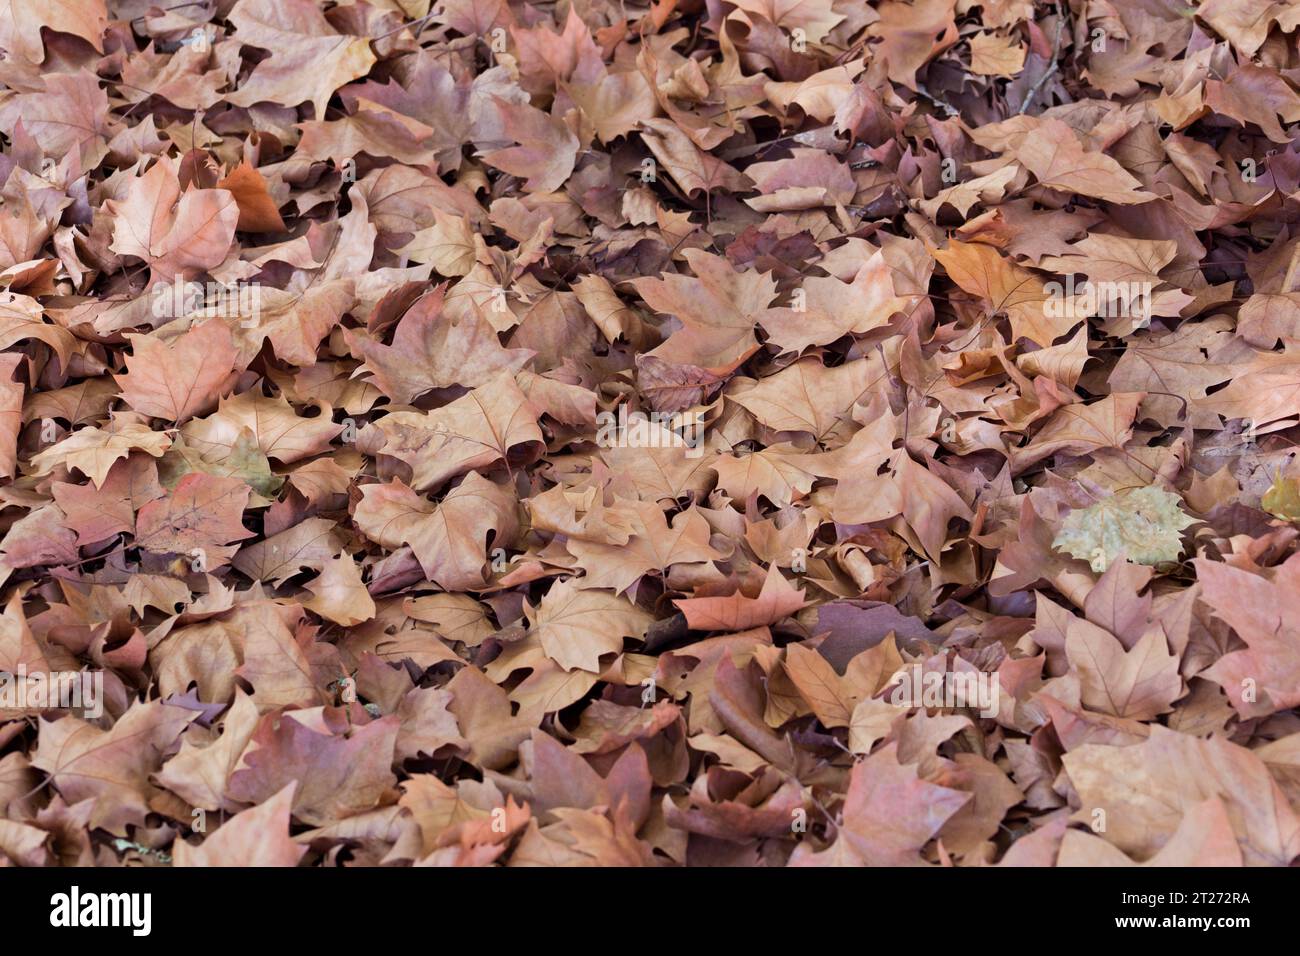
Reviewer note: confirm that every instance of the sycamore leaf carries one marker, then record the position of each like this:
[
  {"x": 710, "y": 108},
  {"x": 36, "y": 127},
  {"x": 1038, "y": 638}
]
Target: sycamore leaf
[
  {"x": 93, "y": 451},
  {"x": 1140, "y": 683},
  {"x": 338, "y": 593},
  {"x": 889, "y": 815},
  {"x": 112, "y": 766},
  {"x": 1144, "y": 524},
  {"x": 993, "y": 55},
  {"x": 717, "y": 308},
  {"x": 692, "y": 168},
  {"x": 814, "y": 17},
  {"x": 258, "y": 836},
  {"x": 243, "y": 460},
  {"x": 576, "y": 627},
  {"x": 337, "y": 776},
  {"x": 257, "y": 210},
  {"x": 309, "y": 58},
  {"x": 1007, "y": 288},
  {"x": 654, "y": 546},
  {"x": 11, "y": 415},
  {"x": 1145, "y": 789},
  {"x": 546, "y": 150},
  {"x": 1283, "y": 498},
  {"x": 308, "y": 544},
  {"x": 178, "y": 379},
  {"x": 202, "y": 512},
  {"x": 431, "y": 351},
  {"x": 277, "y": 428},
  {"x": 1053, "y": 153},
  {"x": 574, "y": 420},
  {"x": 1262, "y": 678},
  {"x": 776, "y": 600},
  {"x": 450, "y": 245},
  {"x": 449, "y": 539},
  {"x": 175, "y": 234},
  {"x": 21, "y": 24},
  {"x": 819, "y": 685},
  {"x": 472, "y": 432},
  {"x": 486, "y": 719}
]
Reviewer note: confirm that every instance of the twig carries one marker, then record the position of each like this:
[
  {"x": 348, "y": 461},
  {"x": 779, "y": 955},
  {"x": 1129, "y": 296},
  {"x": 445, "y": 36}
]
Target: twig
[
  {"x": 941, "y": 103},
  {"x": 415, "y": 25},
  {"x": 1052, "y": 65}
]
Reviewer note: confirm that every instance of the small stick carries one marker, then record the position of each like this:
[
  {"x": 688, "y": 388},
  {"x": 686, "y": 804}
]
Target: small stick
[{"x": 1051, "y": 66}]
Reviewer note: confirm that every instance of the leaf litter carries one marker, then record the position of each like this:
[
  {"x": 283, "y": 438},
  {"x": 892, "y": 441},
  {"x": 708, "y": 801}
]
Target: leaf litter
[{"x": 599, "y": 434}]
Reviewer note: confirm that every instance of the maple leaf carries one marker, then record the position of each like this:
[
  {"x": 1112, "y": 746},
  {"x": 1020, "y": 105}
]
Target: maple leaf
[
  {"x": 111, "y": 766},
  {"x": 279, "y": 667},
  {"x": 1144, "y": 524},
  {"x": 176, "y": 234},
  {"x": 258, "y": 836},
  {"x": 294, "y": 322},
  {"x": 1078, "y": 428},
  {"x": 474, "y": 431},
  {"x": 309, "y": 58},
  {"x": 427, "y": 723},
  {"x": 776, "y": 599},
  {"x": 576, "y": 627},
  {"x": 820, "y": 686},
  {"x": 337, "y": 776},
  {"x": 717, "y": 308},
  {"x": 450, "y": 539},
  {"x": 202, "y": 513},
  {"x": 890, "y": 813},
  {"x": 243, "y": 460},
  {"x": 178, "y": 379},
  {"x": 1174, "y": 364},
  {"x": 21, "y": 24},
  {"x": 1146, "y": 788},
  {"x": 430, "y": 351}
]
